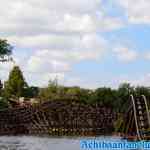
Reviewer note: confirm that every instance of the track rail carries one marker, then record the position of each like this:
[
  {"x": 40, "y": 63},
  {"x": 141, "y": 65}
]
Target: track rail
[
  {"x": 141, "y": 116},
  {"x": 135, "y": 117},
  {"x": 147, "y": 111}
]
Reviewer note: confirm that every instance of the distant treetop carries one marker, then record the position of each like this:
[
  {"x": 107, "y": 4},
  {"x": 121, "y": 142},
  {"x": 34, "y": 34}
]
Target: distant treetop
[{"x": 5, "y": 50}]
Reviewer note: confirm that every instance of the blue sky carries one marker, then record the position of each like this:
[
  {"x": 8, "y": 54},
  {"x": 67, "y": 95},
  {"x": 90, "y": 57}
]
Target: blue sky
[{"x": 87, "y": 43}]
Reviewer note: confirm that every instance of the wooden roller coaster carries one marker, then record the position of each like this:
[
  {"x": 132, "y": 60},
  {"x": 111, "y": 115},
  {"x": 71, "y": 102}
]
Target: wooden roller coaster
[
  {"x": 63, "y": 119},
  {"x": 136, "y": 122},
  {"x": 57, "y": 118}
]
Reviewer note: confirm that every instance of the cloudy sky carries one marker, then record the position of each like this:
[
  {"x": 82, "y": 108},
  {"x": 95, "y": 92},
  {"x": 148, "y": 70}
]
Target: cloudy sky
[{"x": 90, "y": 43}]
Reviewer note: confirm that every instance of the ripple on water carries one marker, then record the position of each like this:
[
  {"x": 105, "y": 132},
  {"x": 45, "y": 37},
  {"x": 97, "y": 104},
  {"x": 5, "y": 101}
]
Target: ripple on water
[
  {"x": 42, "y": 143},
  {"x": 38, "y": 143}
]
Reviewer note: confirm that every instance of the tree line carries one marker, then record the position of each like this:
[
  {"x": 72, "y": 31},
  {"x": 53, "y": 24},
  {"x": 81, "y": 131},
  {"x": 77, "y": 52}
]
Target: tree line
[{"x": 16, "y": 87}]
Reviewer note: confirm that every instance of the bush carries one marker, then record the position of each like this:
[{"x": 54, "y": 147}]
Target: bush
[{"x": 3, "y": 103}]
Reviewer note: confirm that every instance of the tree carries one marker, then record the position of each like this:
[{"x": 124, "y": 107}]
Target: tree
[
  {"x": 104, "y": 96},
  {"x": 31, "y": 92},
  {"x": 141, "y": 90},
  {"x": 5, "y": 50},
  {"x": 3, "y": 103},
  {"x": 16, "y": 85},
  {"x": 1, "y": 87},
  {"x": 79, "y": 95},
  {"x": 50, "y": 92},
  {"x": 123, "y": 94}
]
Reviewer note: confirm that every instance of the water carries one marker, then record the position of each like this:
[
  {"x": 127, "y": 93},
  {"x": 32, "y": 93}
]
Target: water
[
  {"x": 43, "y": 143},
  {"x": 37, "y": 143}
]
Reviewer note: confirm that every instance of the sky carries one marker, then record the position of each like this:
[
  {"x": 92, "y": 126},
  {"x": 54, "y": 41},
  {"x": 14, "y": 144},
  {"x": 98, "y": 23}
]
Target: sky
[{"x": 87, "y": 43}]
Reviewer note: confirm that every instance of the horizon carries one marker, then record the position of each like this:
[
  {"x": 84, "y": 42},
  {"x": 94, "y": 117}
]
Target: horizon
[{"x": 84, "y": 43}]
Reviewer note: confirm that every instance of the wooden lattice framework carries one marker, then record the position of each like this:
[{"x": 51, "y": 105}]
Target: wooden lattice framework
[{"x": 58, "y": 118}]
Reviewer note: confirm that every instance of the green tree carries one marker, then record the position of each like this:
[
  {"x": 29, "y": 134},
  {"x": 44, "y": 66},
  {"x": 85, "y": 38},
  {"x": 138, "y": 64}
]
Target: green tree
[
  {"x": 5, "y": 50},
  {"x": 3, "y": 103},
  {"x": 16, "y": 85},
  {"x": 50, "y": 92},
  {"x": 141, "y": 90},
  {"x": 78, "y": 94},
  {"x": 31, "y": 92},
  {"x": 104, "y": 96},
  {"x": 123, "y": 94}
]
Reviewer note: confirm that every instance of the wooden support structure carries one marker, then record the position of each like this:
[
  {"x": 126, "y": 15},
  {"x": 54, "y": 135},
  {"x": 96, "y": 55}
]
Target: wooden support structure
[{"x": 58, "y": 118}]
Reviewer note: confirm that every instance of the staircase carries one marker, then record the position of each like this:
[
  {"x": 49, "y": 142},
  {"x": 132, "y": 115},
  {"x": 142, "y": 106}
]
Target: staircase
[{"x": 141, "y": 116}]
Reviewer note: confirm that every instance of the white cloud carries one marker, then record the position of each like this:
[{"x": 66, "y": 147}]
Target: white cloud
[
  {"x": 54, "y": 41},
  {"x": 147, "y": 55},
  {"x": 143, "y": 80},
  {"x": 124, "y": 54},
  {"x": 30, "y": 17},
  {"x": 137, "y": 11},
  {"x": 110, "y": 23},
  {"x": 88, "y": 47},
  {"x": 60, "y": 32},
  {"x": 46, "y": 63},
  {"x": 42, "y": 80},
  {"x": 59, "y": 60}
]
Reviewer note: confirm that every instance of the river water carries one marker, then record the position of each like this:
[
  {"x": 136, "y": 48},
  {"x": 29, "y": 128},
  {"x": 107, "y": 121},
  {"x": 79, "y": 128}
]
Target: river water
[{"x": 43, "y": 143}]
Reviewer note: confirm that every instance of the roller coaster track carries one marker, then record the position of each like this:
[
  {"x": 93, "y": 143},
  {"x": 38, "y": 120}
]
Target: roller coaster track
[
  {"x": 141, "y": 116},
  {"x": 57, "y": 118}
]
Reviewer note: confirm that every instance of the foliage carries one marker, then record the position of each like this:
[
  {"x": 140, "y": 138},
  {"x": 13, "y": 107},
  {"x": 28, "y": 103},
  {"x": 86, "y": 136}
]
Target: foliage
[
  {"x": 5, "y": 49},
  {"x": 72, "y": 94},
  {"x": 16, "y": 85},
  {"x": 1, "y": 87},
  {"x": 141, "y": 90},
  {"x": 78, "y": 94},
  {"x": 118, "y": 99},
  {"x": 104, "y": 96},
  {"x": 49, "y": 92},
  {"x": 118, "y": 124},
  {"x": 123, "y": 93},
  {"x": 3, "y": 103},
  {"x": 31, "y": 92}
]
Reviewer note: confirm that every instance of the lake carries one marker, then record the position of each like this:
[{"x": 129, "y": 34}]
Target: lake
[{"x": 44, "y": 143}]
